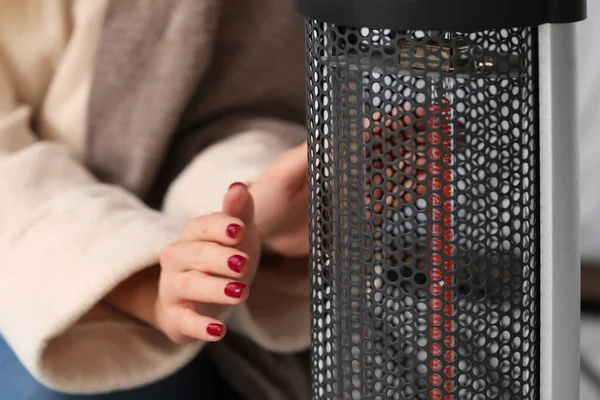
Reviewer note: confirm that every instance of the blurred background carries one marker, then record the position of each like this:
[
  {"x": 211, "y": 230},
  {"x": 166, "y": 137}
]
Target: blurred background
[{"x": 588, "y": 54}]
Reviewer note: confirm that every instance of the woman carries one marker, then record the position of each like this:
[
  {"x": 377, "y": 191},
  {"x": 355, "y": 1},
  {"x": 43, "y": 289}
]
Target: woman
[{"x": 122, "y": 250}]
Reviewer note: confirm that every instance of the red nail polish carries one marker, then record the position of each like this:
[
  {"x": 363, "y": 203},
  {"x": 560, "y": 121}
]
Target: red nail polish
[
  {"x": 232, "y": 230},
  {"x": 235, "y": 289},
  {"x": 237, "y": 184},
  {"x": 215, "y": 329},
  {"x": 235, "y": 263}
]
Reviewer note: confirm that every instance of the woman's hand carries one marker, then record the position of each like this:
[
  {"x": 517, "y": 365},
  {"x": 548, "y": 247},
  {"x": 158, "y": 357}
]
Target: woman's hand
[
  {"x": 281, "y": 204},
  {"x": 208, "y": 269}
]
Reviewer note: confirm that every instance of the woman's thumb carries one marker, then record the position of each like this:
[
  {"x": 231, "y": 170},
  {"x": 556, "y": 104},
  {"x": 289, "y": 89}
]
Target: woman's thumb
[{"x": 238, "y": 202}]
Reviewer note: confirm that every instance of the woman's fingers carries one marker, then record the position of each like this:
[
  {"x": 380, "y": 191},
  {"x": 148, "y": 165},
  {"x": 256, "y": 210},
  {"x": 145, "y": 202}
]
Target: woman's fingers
[
  {"x": 192, "y": 325},
  {"x": 202, "y": 288},
  {"x": 217, "y": 227},
  {"x": 206, "y": 257}
]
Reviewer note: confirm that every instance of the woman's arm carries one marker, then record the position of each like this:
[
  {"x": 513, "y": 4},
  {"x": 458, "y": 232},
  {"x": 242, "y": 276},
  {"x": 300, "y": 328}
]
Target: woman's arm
[{"x": 66, "y": 240}]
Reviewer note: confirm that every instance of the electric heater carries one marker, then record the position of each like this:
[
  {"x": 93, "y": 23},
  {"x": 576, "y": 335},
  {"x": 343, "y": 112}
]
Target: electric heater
[{"x": 443, "y": 198}]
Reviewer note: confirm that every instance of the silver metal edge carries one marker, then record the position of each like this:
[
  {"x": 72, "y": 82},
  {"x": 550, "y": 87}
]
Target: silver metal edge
[{"x": 559, "y": 214}]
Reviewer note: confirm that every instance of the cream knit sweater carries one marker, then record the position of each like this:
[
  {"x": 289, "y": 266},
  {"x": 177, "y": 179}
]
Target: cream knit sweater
[{"x": 51, "y": 315}]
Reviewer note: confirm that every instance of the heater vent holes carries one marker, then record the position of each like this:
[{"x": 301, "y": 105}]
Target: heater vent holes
[{"x": 423, "y": 200}]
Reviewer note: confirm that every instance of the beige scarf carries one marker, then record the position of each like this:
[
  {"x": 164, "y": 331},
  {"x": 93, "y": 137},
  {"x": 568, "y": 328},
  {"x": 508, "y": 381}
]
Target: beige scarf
[{"x": 171, "y": 77}]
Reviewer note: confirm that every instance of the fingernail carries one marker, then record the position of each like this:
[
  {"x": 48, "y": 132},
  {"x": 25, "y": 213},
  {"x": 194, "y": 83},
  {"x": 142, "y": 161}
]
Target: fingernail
[
  {"x": 232, "y": 230},
  {"x": 235, "y": 263},
  {"x": 235, "y": 289},
  {"x": 215, "y": 329},
  {"x": 237, "y": 184}
]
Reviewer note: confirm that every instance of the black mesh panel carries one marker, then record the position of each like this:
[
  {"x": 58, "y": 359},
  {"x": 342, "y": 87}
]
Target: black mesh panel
[{"x": 423, "y": 213}]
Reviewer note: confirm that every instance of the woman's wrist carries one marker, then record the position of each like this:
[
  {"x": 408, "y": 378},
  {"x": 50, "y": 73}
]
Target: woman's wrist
[{"x": 137, "y": 296}]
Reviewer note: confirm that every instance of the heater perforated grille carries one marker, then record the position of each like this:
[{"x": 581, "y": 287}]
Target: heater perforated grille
[{"x": 423, "y": 213}]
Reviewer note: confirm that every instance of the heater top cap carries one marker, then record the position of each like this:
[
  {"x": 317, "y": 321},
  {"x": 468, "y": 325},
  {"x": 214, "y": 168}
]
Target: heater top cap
[{"x": 458, "y": 15}]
